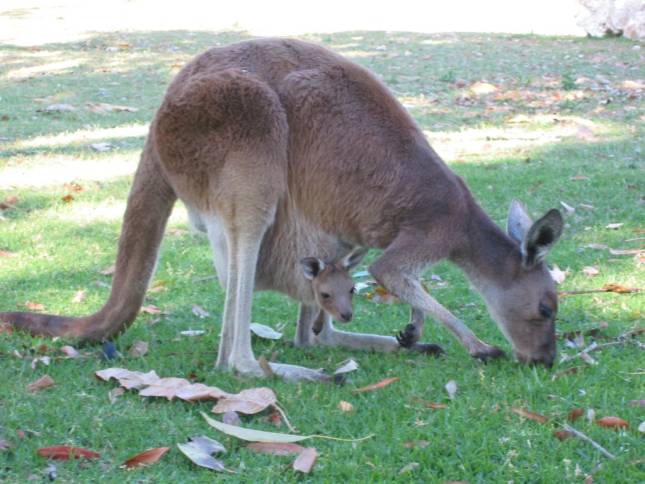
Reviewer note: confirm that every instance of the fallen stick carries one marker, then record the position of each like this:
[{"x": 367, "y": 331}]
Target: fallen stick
[
  {"x": 596, "y": 445},
  {"x": 614, "y": 289}
]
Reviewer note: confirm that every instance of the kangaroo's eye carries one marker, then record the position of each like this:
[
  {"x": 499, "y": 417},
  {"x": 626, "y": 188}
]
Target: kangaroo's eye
[
  {"x": 352, "y": 290},
  {"x": 325, "y": 295},
  {"x": 545, "y": 311}
]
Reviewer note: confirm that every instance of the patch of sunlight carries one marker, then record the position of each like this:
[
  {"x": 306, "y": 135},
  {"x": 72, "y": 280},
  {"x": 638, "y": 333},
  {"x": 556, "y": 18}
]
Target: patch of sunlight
[
  {"x": 112, "y": 210},
  {"x": 520, "y": 134},
  {"x": 49, "y": 68},
  {"x": 87, "y": 213},
  {"x": 56, "y": 170},
  {"x": 85, "y": 135},
  {"x": 355, "y": 54}
]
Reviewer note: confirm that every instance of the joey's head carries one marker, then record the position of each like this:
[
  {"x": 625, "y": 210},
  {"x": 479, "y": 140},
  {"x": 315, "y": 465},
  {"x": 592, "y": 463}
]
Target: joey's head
[
  {"x": 332, "y": 283},
  {"x": 526, "y": 307}
]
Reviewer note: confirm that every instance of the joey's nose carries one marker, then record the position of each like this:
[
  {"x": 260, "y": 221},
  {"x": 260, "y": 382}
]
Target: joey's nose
[{"x": 346, "y": 316}]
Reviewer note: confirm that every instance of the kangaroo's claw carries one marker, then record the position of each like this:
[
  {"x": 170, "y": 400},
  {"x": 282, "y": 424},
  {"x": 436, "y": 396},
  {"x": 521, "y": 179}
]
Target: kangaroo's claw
[{"x": 408, "y": 337}]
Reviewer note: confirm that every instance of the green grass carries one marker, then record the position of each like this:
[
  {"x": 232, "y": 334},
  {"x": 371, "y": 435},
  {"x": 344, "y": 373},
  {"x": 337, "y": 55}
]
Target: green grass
[{"x": 562, "y": 109}]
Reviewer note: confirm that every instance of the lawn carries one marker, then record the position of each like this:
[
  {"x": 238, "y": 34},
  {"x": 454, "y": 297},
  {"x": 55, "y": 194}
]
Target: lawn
[{"x": 556, "y": 122}]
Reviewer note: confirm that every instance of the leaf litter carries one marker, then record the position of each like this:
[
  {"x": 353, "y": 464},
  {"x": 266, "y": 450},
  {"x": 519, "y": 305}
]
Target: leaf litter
[
  {"x": 200, "y": 451},
  {"x": 145, "y": 458}
]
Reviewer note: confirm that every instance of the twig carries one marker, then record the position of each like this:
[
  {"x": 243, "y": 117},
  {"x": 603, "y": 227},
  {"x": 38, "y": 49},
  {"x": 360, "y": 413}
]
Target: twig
[
  {"x": 292, "y": 429},
  {"x": 628, "y": 290},
  {"x": 596, "y": 445}
]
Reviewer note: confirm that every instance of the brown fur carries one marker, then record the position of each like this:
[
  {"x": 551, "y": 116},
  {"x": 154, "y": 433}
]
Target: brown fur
[{"x": 250, "y": 132}]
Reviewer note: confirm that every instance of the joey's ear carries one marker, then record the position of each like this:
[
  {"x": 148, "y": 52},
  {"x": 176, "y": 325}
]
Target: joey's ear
[
  {"x": 352, "y": 259},
  {"x": 519, "y": 222},
  {"x": 311, "y": 267},
  {"x": 542, "y": 235}
]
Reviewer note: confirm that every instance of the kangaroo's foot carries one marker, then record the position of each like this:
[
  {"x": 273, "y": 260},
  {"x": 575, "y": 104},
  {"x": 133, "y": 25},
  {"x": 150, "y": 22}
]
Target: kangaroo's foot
[
  {"x": 430, "y": 349},
  {"x": 409, "y": 336},
  {"x": 486, "y": 352}
]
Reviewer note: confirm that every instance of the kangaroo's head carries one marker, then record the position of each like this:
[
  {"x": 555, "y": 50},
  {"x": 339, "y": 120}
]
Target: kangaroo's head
[
  {"x": 526, "y": 308},
  {"x": 332, "y": 283}
]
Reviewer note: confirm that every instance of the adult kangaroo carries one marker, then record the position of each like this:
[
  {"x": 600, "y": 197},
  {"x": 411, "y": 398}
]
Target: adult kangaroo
[{"x": 251, "y": 127}]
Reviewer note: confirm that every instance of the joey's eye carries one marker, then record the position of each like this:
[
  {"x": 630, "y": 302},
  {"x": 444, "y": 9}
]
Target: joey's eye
[
  {"x": 352, "y": 290},
  {"x": 325, "y": 295},
  {"x": 545, "y": 311}
]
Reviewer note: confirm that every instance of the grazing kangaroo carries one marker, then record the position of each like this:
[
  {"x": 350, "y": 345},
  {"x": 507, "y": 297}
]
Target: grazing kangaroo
[
  {"x": 323, "y": 284},
  {"x": 249, "y": 128}
]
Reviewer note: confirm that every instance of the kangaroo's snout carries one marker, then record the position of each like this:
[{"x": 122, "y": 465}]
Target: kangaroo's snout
[{"x": 346, "y": 317}]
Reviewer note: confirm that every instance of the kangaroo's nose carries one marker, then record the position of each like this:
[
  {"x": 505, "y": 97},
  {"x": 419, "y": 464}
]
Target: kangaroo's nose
[{"x": 346, "y": 316}]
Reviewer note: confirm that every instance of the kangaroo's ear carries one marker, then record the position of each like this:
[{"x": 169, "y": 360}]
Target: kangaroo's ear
[
  {"x": 354, "y": 258},
  {"x": 311, "y": 267},
  {"x": 541, "y": 237},
  {"x": 519, "y": 222}
]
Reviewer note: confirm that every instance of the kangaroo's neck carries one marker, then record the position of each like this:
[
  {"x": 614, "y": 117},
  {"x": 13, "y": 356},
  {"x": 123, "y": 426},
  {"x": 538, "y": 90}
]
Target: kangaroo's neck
[{"x": 487, "y": 255}]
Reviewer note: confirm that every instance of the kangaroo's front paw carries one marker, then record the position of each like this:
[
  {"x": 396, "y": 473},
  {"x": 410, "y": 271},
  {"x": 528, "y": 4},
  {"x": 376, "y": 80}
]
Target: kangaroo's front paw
[
  {"x": 488, "y": 353},
  {"x": 408, "y": 337},
  {"x": 428, "y": 349}
]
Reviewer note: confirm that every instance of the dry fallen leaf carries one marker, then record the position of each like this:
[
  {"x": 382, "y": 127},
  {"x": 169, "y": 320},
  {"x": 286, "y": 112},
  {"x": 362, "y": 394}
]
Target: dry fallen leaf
[
  {"x": 129, "y": 379},
  {"x": 345, "y": 406},
  {"x": 435, "y": 406},
  {"x": 165, "y": 388},
  {"x": 200, "y": 312},
  {"x": 66, "y": 452},
  {"x": 32, "y": 306},
  {"x": 575, "y": 414},
  {"x": 612, "y": 422},
  {"x": 252, "y": 435},
  {"x": 568, "y": 208},
  {"x": 102, "y": 108},
  {"x": 562, "y": 434},
  {"x": 67, "y": 198},
  {"x": 346, "y": 366},
  {"x": 79, "y": 296},
  {"x": 198, "y": 391},
  {"x": 591, "y": 271},
  {"x": 192, "y": 332},
  {"x": 275, "y": 448},
  {"x": 614, "y": 226},
  {"x": 200, "y": 451},
  {"x": 264, "y": 331},
  {"x": 57, "y": 108},
  {"x": 451, "y": 388},
  {"x": 376, "y": 386},
  {"x": 43, "y": 382},
  {"x": 248, "y": 401},
  {"x": 138, "y": 349},
  {"x": 529, "y": 415},
  {"x": 151, "y": 309},
  {"x": 305, "y": 461},
  {"x": 145, "y": 458}
]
